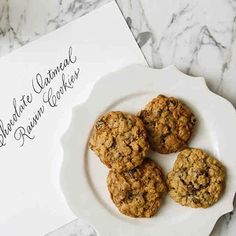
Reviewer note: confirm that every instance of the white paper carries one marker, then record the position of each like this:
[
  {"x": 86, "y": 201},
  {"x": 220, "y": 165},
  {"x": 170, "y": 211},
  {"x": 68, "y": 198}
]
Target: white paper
[{"x": 31, "y": 201}]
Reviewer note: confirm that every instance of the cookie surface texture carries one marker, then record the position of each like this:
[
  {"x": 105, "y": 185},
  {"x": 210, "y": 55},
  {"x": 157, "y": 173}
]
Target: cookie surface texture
[
  {"x": 169, "y": 123},
  {"x": 138, "y": 192},
  {"x": 120, "y": 140},
  {"x": 197, "y": 179}
]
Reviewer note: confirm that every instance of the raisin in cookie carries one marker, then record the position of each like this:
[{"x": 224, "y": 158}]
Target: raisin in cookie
[
  {"x": 138, "y": 192},
  {"x": 120, "y": 140},
  {"x": 169, "y": 124},
  {"x": 197, "y": 179}
]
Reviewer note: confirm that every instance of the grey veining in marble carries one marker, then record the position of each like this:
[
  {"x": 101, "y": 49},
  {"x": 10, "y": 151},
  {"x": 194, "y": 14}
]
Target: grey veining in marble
[
  {"x": 25, "y": 20},
  {"x": 198, "y": 36},
  {"x": 75, "y": 228}
]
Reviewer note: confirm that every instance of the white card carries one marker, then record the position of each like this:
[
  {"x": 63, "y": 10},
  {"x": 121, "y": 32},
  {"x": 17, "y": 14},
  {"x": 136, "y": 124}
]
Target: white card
[{"x": 40, "y": 83}]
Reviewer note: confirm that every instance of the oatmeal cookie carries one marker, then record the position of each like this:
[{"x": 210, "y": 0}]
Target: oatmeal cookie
[
  {"x": 138, "y": 192},
  {"x": 120, "y": 140},
  {"x": 169, "y": 124},
  {"x": 197, "y": 179}
]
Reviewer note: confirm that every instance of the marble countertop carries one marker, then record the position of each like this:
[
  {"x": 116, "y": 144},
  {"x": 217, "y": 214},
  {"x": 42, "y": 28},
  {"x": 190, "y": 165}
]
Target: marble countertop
[{"x": 198, "y": 36}]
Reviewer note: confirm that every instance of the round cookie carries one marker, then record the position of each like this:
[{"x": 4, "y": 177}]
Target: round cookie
[
  {"x": 197, "y": 179},
  {"x": 169, "y": 124},
  {"x": 120, "y": 140},
  {"x": 138, "y": 192}
]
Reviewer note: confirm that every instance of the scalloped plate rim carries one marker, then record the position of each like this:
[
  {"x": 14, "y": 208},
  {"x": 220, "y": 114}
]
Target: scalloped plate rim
[{"x": 201, "y": 82}]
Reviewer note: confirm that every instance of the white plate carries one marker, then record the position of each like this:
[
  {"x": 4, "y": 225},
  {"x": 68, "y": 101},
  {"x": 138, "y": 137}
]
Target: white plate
[{"x": 83, "y": 176}]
